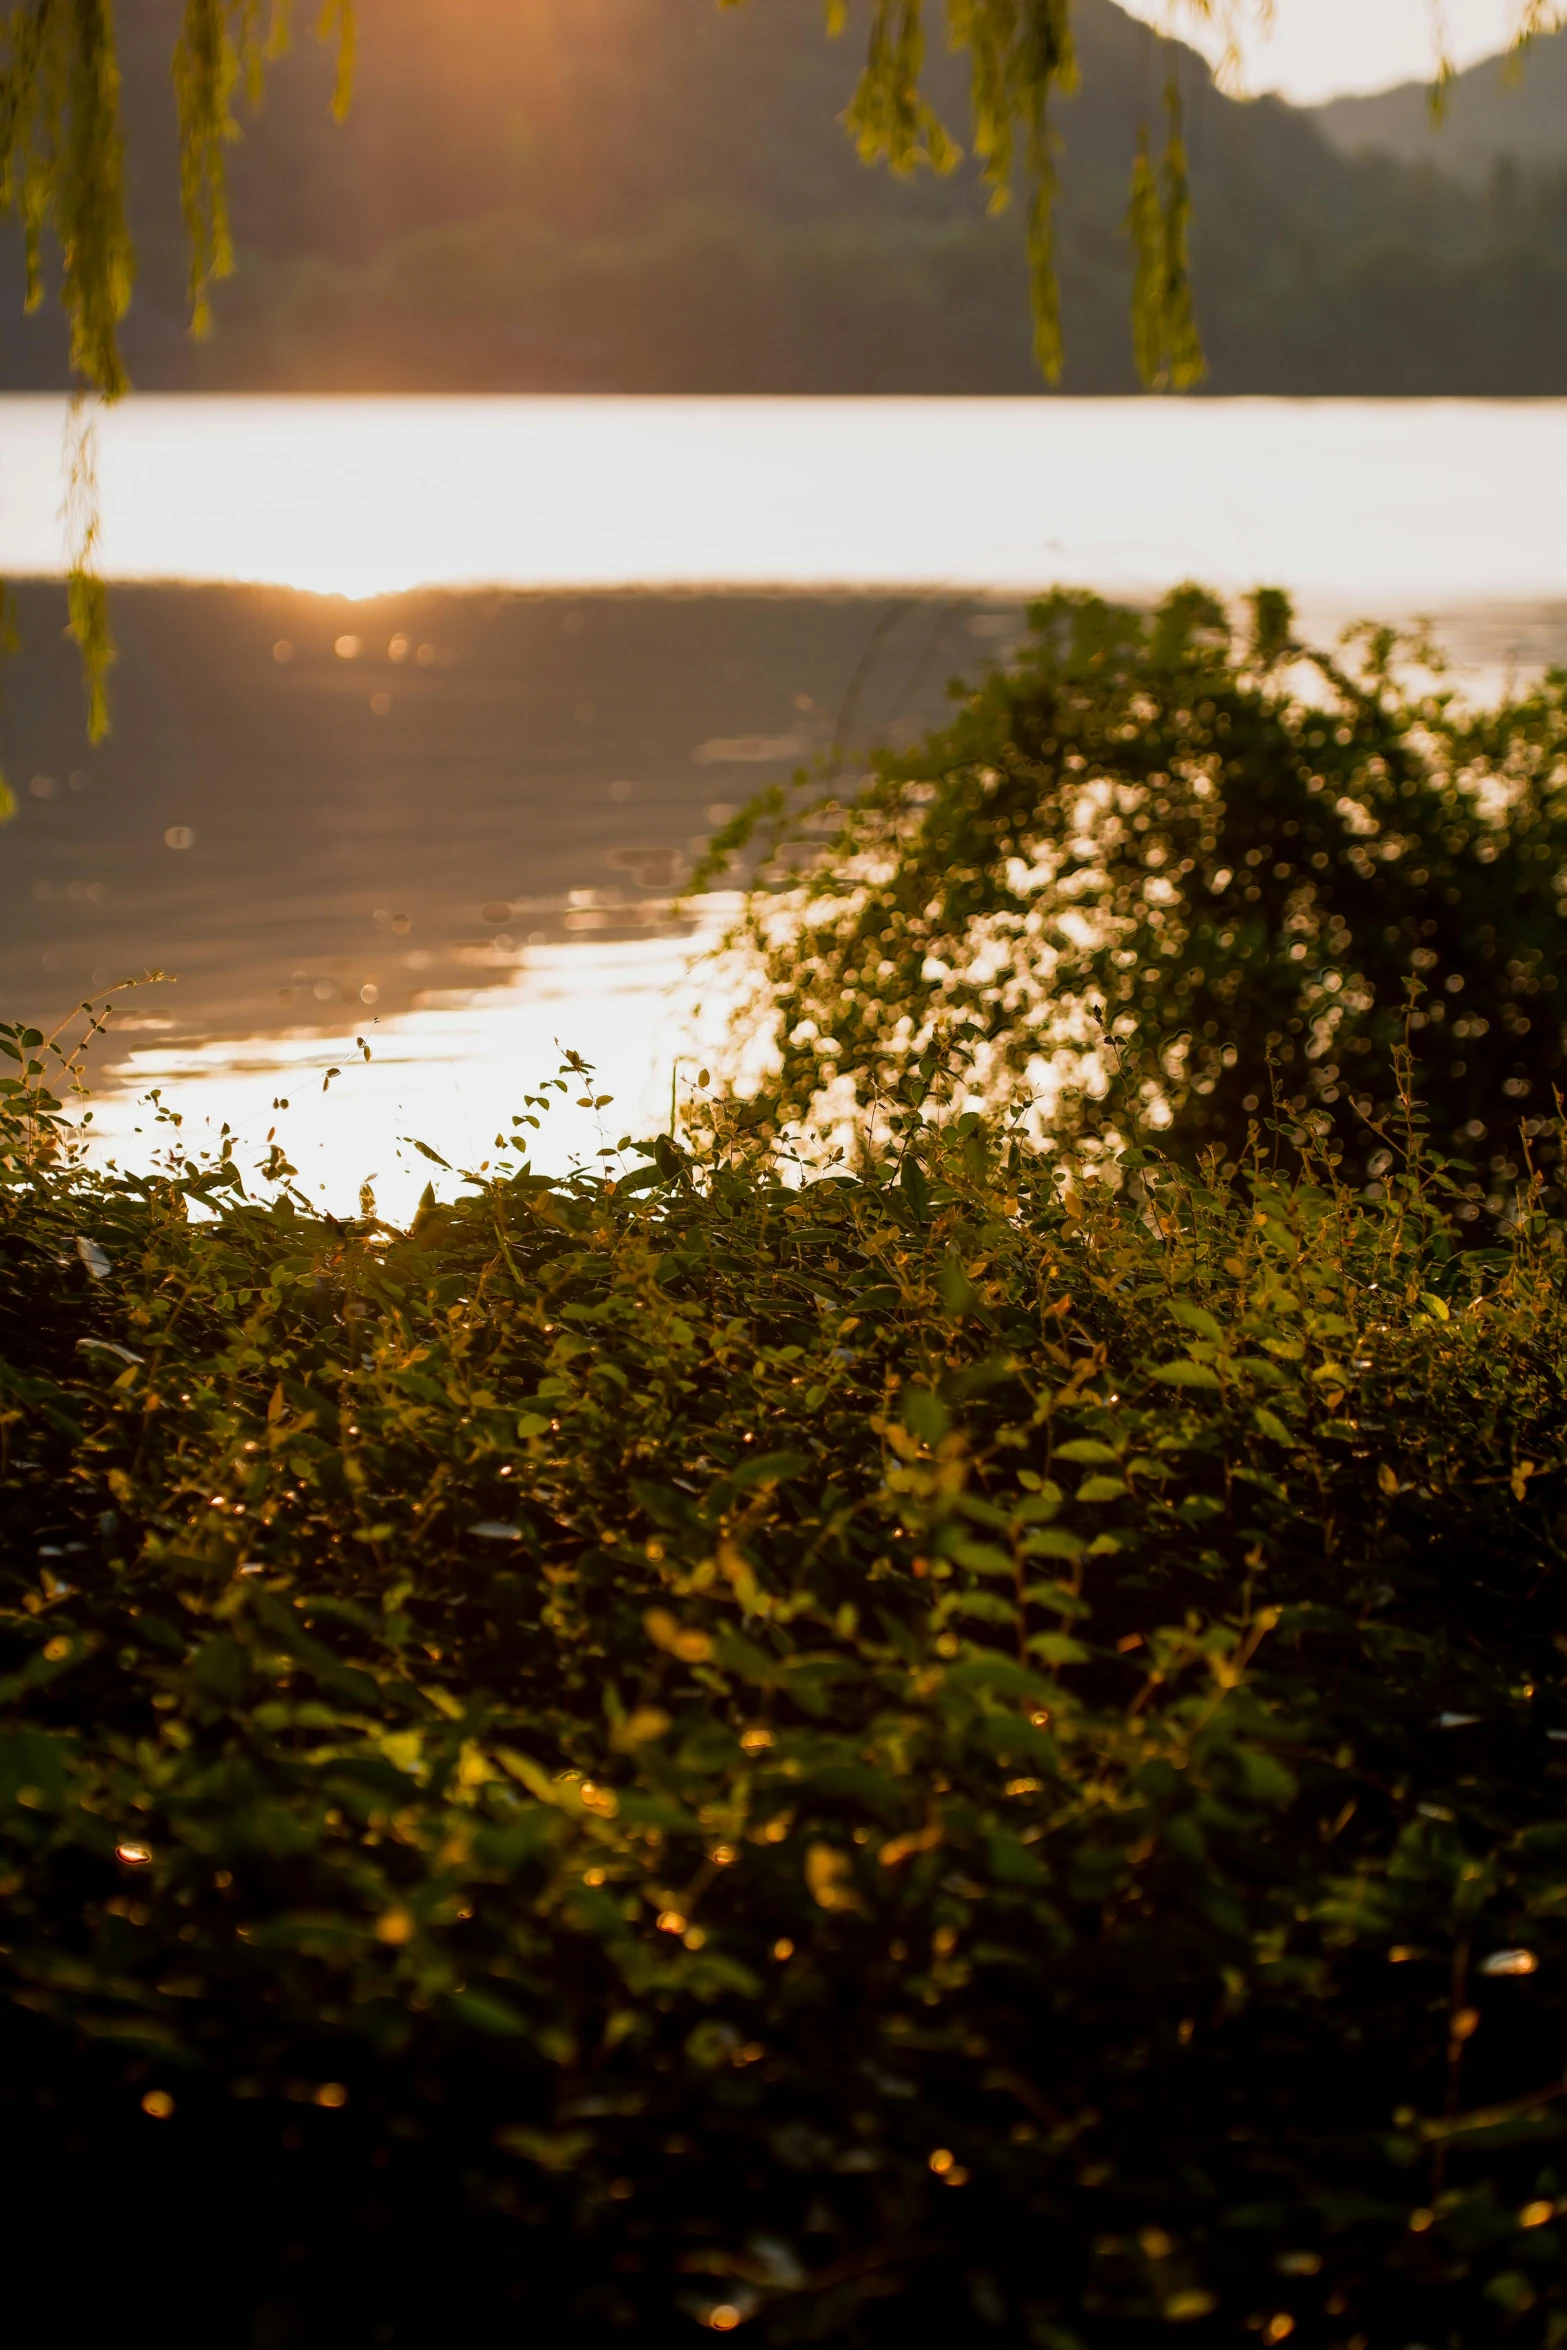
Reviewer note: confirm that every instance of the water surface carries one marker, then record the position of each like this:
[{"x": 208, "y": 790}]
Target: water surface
[
  {"x": 425, "y": 707},
  {"x": 1359, "y": 503},
  {"x": 457, "y": 826}
]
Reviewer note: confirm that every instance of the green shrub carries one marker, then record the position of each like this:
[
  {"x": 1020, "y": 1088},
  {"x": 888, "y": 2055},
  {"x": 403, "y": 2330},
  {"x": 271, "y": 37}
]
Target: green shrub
[
  {"x": 939, "y": 1748},
  {"x": 1254, "y": 865}
]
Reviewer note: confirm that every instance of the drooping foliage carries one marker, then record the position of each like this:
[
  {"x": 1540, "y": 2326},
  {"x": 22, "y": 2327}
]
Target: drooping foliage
[
  {"x": 62, "y": 176},
  {"x": 1165, "y": 340},
  {"x": 223, "y": 44},
  {"x": 62, "y": 170},
  {"x": 62, "y": 165},
  {"x": 1152, "y": 882},
  {"x": 1020, "y": 56},
  {"x": 931, "y": 1752}
]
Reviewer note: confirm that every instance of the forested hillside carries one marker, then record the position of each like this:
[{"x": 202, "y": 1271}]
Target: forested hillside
[
  {"x": 1499, "y": 112},
  {"x": 646, "y": 195}
]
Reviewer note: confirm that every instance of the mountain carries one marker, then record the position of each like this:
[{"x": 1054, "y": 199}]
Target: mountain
[
  {"x": 651, "y": 195},
  {"x": 1506, "y": 110}
]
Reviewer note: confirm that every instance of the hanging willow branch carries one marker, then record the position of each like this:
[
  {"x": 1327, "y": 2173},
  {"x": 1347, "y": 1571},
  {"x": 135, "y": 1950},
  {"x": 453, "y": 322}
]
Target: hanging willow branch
[
  {"x": 62, "y": 176},
  {"x": 1165, "y": 340},
  {"x": 62, "y": 153},
  {"x": 87, "y": 602},
  {"x": 61, "y": 161},
  {"x": 1020, "y": 56},
  {"x": 62, "y": 170},
  {"x": 62, "y": 166},
  {"x": 223, "y": 43}
]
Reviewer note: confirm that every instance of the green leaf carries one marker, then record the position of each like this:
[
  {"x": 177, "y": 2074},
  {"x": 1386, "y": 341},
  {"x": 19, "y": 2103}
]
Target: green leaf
[
  {"x": 713, "y": 2044},
  {"x": 958, "y": 1293},
  {"x": 1265, "y": 1776},
  {"x": 1059, "y": 1597},
  {"x": 1087, "y": 1449},
  {"x": 915, "y": 1187},
  {"x": 981, "y": 1558},
  {"x": 33, "y": 1759},
  {"x": 1001, "y": 1674},
  {"x": 641, "y": 1179},
  {"x": 1186, "y": 1374},
  {"x": 1512, "y": 2291},
  {"x": 425, "y": 1151},
  {"x": 485, "y": 2011},
  {"x": 1271, "y": 1425},
  {"x": 1052, "y": 1542},
  {"x": 768, "y": 1468},
  {"x": 985, "y": 1606},
  {"x": 924, "y": 1415},
  {"x": 328, "y": 1934},
  {"x": 220, "y": 1669},
  {"x": 552, "y": 2150},
  {"x": 1195, "y": 1317},
  {"x": 1012, "y": 1863},
  {"x": 1055, "y": 1648}
]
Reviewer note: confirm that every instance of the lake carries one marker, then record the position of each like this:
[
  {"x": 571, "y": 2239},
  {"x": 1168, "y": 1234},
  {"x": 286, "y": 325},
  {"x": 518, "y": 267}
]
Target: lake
[{"x": 424, "y": 707}]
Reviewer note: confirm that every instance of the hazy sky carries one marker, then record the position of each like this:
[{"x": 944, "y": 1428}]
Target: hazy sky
[{"x": 1319, "y": 48}]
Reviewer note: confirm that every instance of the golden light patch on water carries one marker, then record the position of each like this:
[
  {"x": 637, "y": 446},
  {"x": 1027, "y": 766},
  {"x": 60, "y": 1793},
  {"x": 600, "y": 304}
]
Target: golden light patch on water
[
  {"x": 451, "y": 1074},
  {"x": 1372, "y": 504}
]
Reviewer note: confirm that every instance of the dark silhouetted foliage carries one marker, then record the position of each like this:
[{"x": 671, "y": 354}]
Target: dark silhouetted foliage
[
  {"x": 937, "y": 1751},
  {"x": 1156, "y": 882}
]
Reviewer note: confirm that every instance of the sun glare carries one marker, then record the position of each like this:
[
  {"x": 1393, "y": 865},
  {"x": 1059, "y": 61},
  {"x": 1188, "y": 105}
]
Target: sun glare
[
  {"x": 1311, "y": 50},
  {"x": 369, "y": 497}
]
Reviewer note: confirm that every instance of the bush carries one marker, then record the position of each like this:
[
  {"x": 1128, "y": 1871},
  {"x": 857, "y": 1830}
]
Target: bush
[
  {"x": 1258, "y": 868},
  {"x": 937, "y": 1748}
]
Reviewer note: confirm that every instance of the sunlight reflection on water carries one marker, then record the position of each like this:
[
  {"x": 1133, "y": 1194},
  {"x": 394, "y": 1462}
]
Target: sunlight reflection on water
[
  {"x": 451, "y": 1075},
  {"x": 1363, "y": 502},
  {"x": 1454, "y": 509}
]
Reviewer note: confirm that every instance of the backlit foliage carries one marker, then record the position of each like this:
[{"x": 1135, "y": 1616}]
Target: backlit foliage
[
  {"x": 938, "y": 1749},
  {"x": 1152, "y": 882}
]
